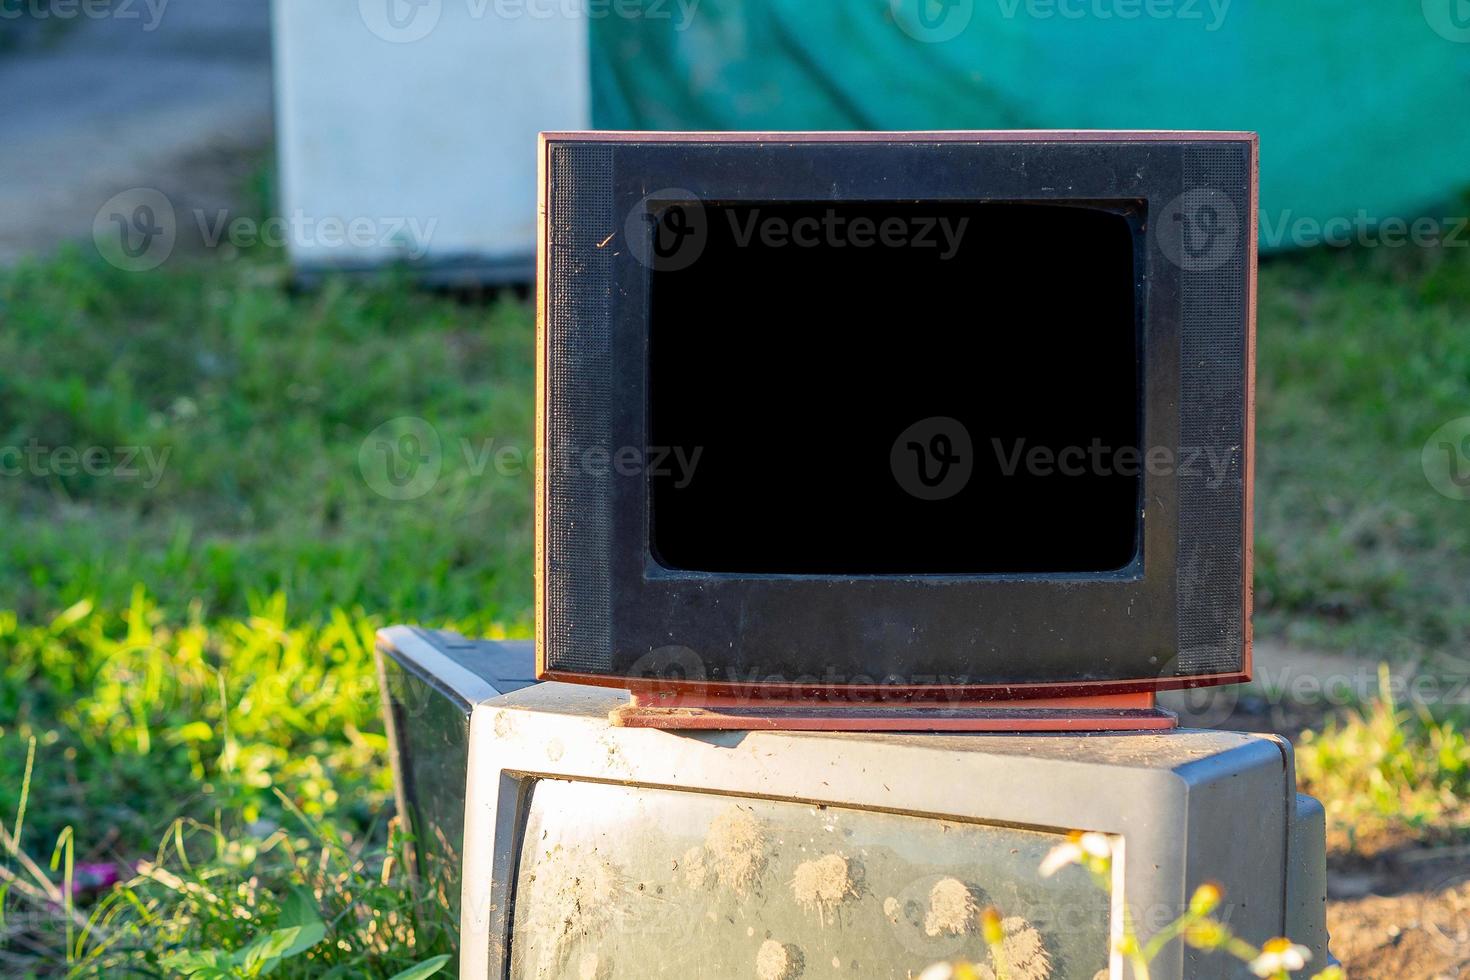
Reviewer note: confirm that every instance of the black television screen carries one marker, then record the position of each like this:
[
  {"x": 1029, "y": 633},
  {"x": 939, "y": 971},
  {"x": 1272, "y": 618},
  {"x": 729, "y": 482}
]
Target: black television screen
[
  {"x": 929, "y": 415},
  {"x": 897, "y": 387}
]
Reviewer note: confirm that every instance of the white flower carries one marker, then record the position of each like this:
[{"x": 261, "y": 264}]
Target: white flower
[
  {"x": 1074, "y": 849},
  {"x": 1059, "y": 857},
  {"x": 939, "y": 971},
  {"x": 1280, "y": 956}
]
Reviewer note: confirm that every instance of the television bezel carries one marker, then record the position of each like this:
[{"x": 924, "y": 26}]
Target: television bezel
[{"x": 1119, "y": 629}]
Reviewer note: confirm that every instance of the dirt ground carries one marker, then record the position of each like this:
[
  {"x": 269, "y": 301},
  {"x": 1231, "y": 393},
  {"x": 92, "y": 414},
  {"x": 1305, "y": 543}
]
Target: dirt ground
[{"x": 1403, "y": 913}]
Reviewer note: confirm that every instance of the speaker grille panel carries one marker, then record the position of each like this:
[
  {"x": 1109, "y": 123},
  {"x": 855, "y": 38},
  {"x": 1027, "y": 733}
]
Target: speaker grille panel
[
  {"x": 1212, "y": 493},
  {"x": 578, "y": 404}
]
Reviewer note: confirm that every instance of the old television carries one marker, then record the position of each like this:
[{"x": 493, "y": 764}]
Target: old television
[
  {"x": 597, "y": 852},
  {"x": 895, "y": 416}
]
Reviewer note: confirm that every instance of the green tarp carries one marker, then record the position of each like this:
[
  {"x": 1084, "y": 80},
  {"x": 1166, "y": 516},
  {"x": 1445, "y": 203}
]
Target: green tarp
[{"x": 1361, "y": 104}]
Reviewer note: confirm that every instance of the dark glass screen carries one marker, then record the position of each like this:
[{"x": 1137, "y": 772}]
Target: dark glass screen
[{"x": 895, "y": 388}]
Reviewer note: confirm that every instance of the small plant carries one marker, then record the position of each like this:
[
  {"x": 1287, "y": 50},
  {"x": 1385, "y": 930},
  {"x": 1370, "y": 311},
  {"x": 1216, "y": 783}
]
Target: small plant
[
  {"x": 1388, "y": 768},
  {"x": 298, "y": 928},
  {"x": 218, "y": 907}
]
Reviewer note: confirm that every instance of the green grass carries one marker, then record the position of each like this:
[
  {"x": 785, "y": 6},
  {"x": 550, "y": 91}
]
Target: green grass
[
  {"x": 1389, "y": 772},
  {"x": 199, "y": 649},
  {"x": 1362, "y": 356},
  {"x": 262, "y": 401}
]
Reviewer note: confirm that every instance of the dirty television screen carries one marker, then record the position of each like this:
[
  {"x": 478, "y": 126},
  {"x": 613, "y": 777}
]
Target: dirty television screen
[{"x": 676, "y": 884}]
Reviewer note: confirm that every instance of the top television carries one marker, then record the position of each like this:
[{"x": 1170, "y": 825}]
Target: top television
[{"x": 895, "y": 415}]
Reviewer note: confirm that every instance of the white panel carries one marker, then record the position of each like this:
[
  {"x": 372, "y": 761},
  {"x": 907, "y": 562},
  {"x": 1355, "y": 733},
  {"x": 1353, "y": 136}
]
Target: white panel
[{"x": 407, "y": 128}]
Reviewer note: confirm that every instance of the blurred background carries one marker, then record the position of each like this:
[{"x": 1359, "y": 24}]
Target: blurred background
[{"x": 265, "y": 386}]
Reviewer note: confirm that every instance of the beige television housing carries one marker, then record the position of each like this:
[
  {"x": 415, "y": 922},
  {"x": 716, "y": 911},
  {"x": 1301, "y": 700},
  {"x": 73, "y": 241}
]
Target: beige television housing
[{"x": 592, "y": 850}]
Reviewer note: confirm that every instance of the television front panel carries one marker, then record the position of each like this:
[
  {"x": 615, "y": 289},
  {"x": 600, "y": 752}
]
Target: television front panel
[
  {"x": 915, "y": 415},
  {"x": 593, "y": 851}
]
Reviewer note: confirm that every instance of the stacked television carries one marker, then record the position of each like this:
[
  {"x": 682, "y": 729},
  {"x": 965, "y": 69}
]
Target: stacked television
[{"x": 883, "y": 480}]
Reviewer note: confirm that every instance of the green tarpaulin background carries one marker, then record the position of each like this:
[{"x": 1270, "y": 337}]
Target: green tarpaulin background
[{"x": 1361, "y": 104}]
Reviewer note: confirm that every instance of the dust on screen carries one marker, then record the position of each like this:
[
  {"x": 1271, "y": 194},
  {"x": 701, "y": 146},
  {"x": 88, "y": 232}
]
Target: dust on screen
[{"x": 618, "y": 883}]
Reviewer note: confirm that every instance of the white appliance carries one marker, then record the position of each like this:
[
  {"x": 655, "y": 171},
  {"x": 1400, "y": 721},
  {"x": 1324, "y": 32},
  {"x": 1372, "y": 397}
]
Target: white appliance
[{"x": 407, "y": 131}]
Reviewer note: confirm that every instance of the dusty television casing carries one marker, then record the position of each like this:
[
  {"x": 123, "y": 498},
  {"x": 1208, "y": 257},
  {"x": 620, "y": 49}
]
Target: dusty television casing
[
  {"x": 430, "y": 682},
  {"x": 1183, "y": 807}
]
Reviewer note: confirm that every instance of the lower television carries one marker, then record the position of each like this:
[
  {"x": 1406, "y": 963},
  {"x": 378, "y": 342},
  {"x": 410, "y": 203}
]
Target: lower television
[{"x": 594, "y": 852}]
